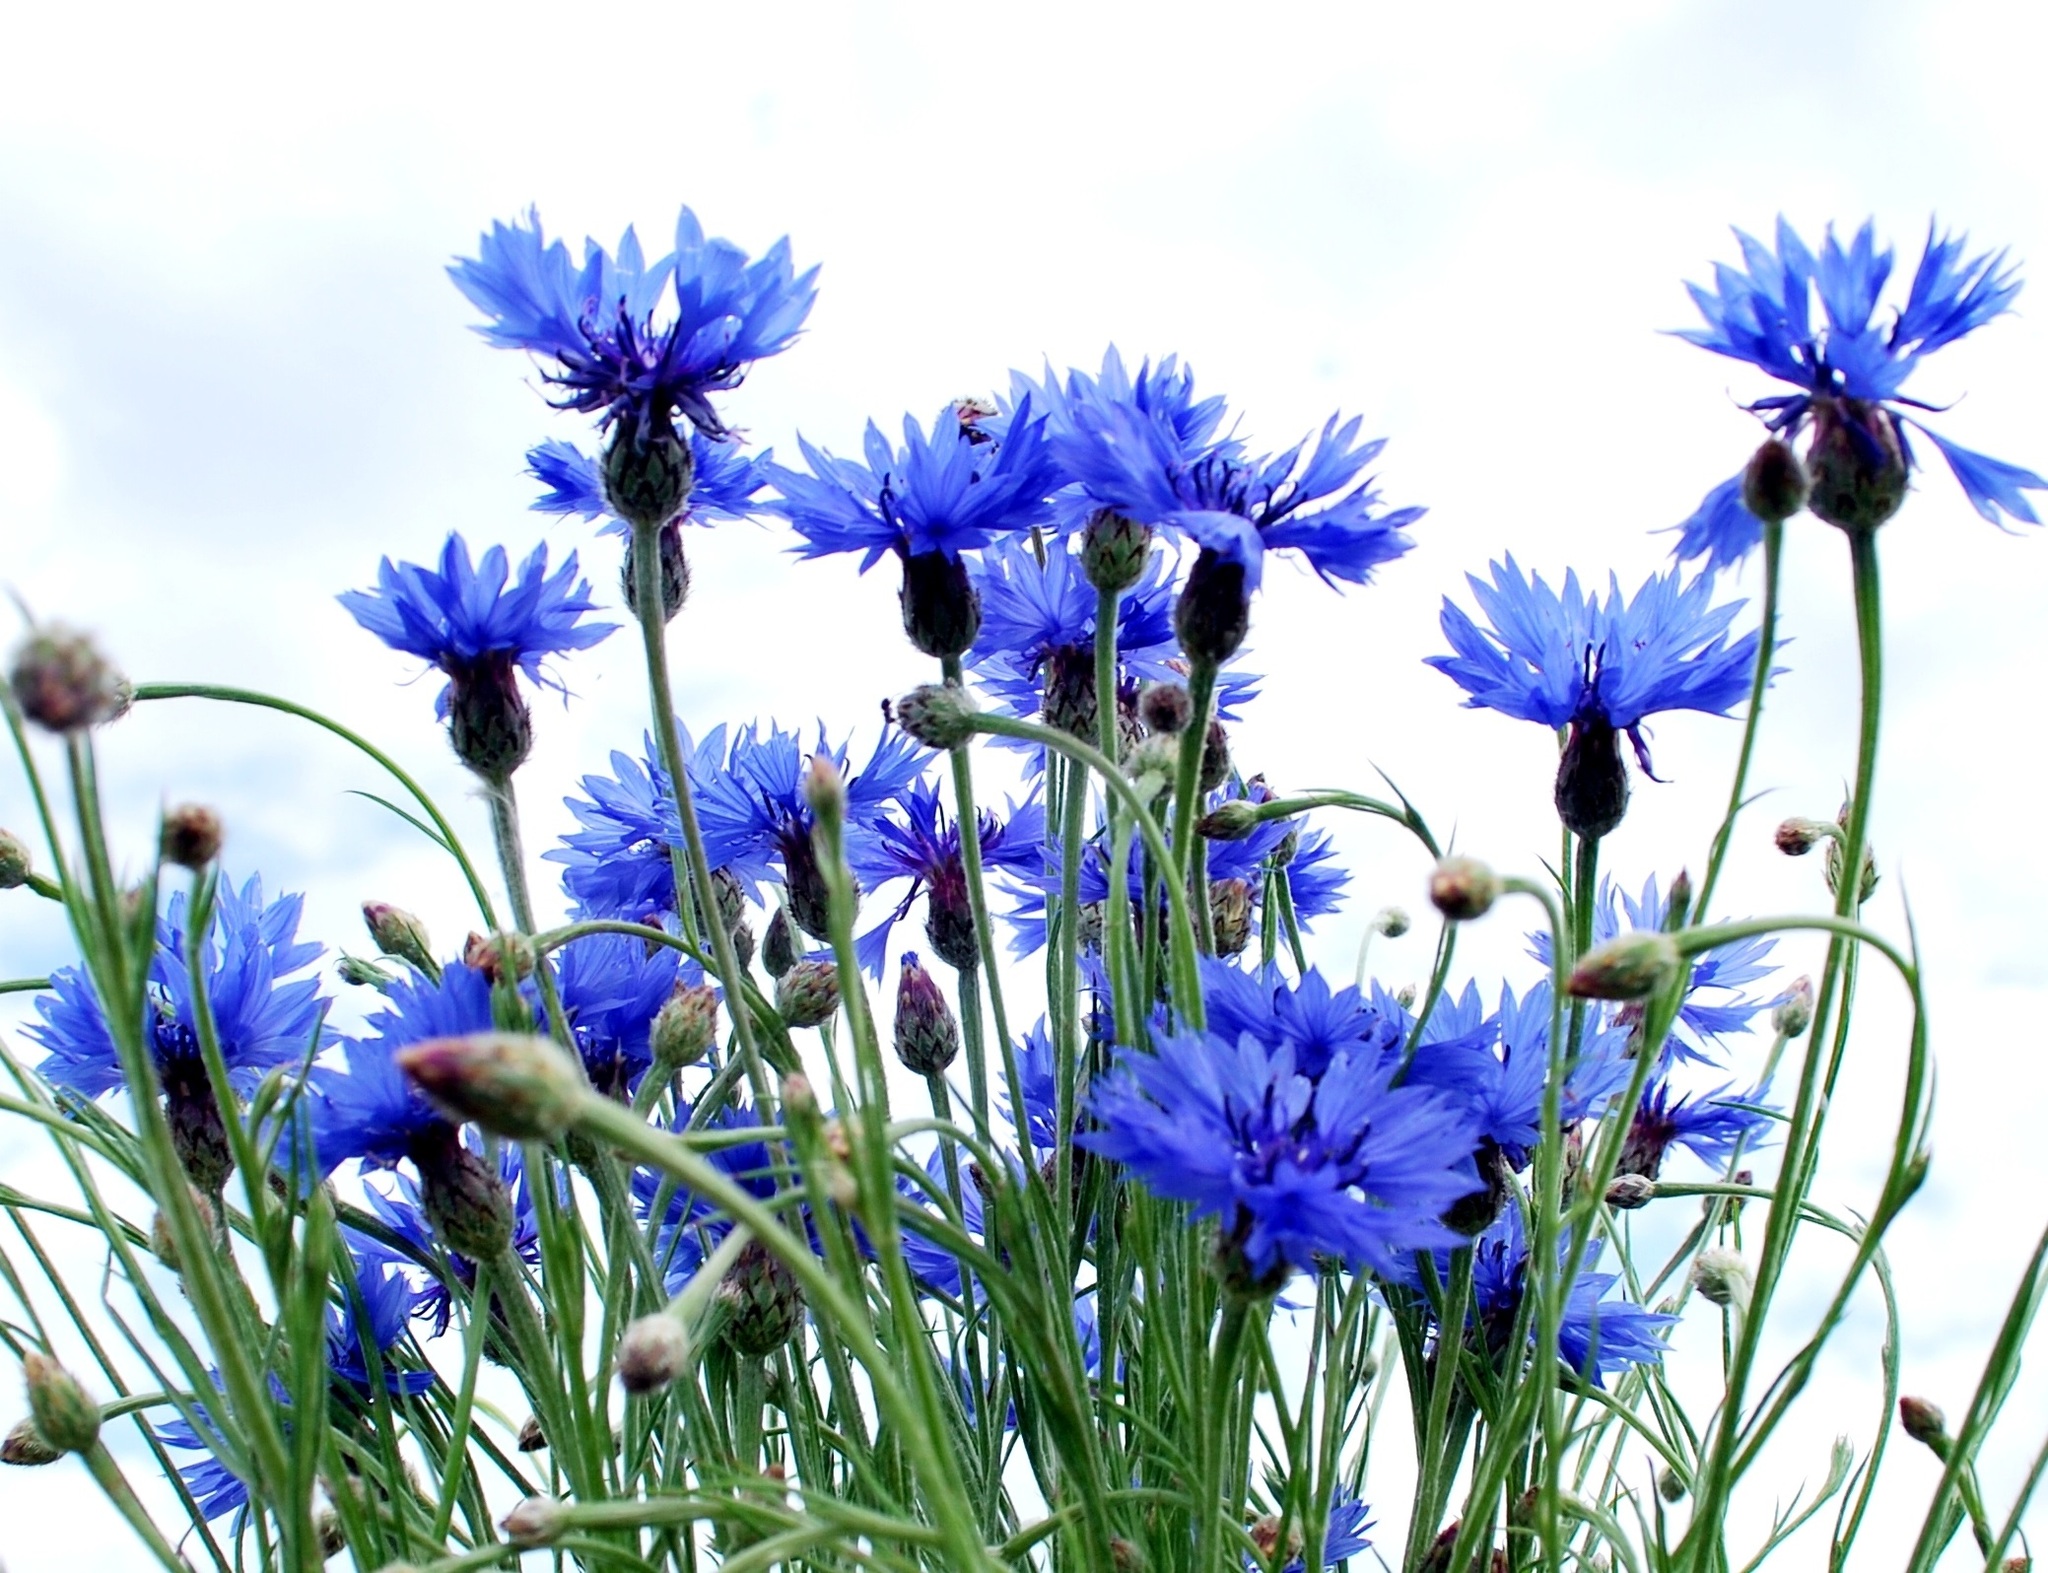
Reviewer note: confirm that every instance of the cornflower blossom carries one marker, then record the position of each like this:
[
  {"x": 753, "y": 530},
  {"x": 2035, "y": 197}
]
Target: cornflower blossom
[
  {"x": 481, "y": 626},
  {"x": 957, "y": 490},
  {"x": 263, "y": 1017},
  {"x": 1035, "y": 654},
  {"x": 757, "y": 824},
  {"x": 401, "y": 1209},
  {"x": 1345, "y": 1534},
  {"x": 1038, "y": 1077},
  {"x": 1602, "y": 670},
  {"x": 609, "y": 345},
  {"x": 920, "y": 842},
  {"x": 1597, "y": 1335},
  {"x": 1713, "y": 1126},
  {"x": 1319, "y": 1021},
  {"x": 1295, "y": 1169},
  {"x": 611, "y": 987},
  {"x": 723, "y": 482},
  {"x": 618, "y": 865},
  {"x": 1848, "y": 371}
]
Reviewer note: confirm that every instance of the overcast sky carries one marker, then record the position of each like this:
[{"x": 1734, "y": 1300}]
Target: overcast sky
[{"x": 233, "y": 374}]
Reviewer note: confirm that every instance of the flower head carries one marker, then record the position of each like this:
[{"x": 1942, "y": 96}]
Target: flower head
[
  {"x": 1294, "y": 1168},
  {"x": 618, "y": 865},
  {"x": 723, "y": 483},
  {"x": 623, "y": 337},
  {"x": 250, "y": 950},
  {"x": 1847, "y": 366},
  {"x": 611, "y": 987},
  {"x": 919, "y": 842}
]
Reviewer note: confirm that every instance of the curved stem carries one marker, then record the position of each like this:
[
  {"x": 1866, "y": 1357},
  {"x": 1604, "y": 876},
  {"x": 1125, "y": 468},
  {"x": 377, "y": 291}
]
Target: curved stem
[
  {"x": 1187, "y": 785},
  {"x": 1767, "y": 641}
]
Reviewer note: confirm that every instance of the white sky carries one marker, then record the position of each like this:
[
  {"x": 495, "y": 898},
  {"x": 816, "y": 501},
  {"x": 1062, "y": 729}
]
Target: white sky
[{"x": 232, "y": 374}]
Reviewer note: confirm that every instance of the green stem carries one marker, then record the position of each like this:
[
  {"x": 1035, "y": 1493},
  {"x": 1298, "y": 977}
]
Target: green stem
[
  {"x": 1187, "y": 785},
  {"x": 1767, "y": 641},
  {"x": 100, "y": 1463},
  {"x": 1212, "y": 1548}
]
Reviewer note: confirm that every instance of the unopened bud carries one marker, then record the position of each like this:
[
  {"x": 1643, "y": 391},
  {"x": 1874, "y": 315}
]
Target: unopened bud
[
  {"x": 1923, "y": 1421},
  {"x": 503, "y": 958},
  {"x": 537, "y": 1521},
  {"x": 824, "y": 789},
  {"x": 1232, "y": 820},
  {"x": 1230, "y": 915},
  {"x": 1628, "y": 967},
  {"x": 1393, "y": 922},
  {"x": 652, "y": 1353},
  {"x": 673, "y": 565},
  {"x": 63, "y": 683},
  {"x": 15, "y": 862},
  {"x": 1678, "y": 902},
  {"x": 1797, "y": 837},
  {"x": 1723, "y": 1277},
  {"x": 1406, "y": 995},
  {"x": 531, "y": 1438},
  {"x": 1165, "y": 708},
  {"x": 354, "y": 969},
  {"x": 779, "y": 948},
  {"x": 808, "y": 993},
  {"x": 927, "y": 1036},
  {"x": 798, "y": 1099},
  {"x": 190, "y": 836},
  {"x": 163, "y": 1244},
  {"x": 396, "y": 932},
  {"x": 1794, "y": 1012},
  {"x": 1856, "y": 462},
  {"x": 1627, "y": 1192},
  {"x": 1867, "y": 887},
  {"x": 1114, "y": 549},
  {"x": 511, "y": 1084},
  {"x": 764, "y": 1305},
  {"x": 1463, "y": 889},
  {"x": 684, "y": 1027},
  {"x": 1215, "y": 757},
  {"x": 25, "y": 1448},
  {"x": 1774, "y": 485},
  {"x": 1669, "y": 1485},
  {"x": 1152, "y": 762},
  {"x": 941, "y": 607},
  {"x": 938, "y": 715},
  {"x": 65, "y": 1416}
]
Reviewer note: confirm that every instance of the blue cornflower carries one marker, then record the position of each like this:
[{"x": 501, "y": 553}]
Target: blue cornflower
[
  {"x": 1345, "y": 1534},
  {"x": 402, "y": 1210},
  {"x": 723, "y": 482},
  {"x": 1294, "y": 1169},
  {"x": 959, "y": 489},
  {"x": 920, "y": 842},
  {"x": 480, "y": 626},
  {"x": 611, "y": 987},
  {"x": 598, "y": 324},
  {"x": 1038, "y": 1078},
  {"x": 1567, "y": 660},
  {"x": 1848, "y": 371},
  {"x": 1318, "y": 1021},
  {"x": 687, "y": 1227},
  {"x": 756, "y": 822},
  {"x": 618, "y": 864},
  {"x": 1713, "y": 1126}
]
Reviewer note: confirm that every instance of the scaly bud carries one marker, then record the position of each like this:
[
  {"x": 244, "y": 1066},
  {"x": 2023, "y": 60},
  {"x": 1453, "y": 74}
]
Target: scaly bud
[
  {"x": 648, "y": 470},
  {"x": 763, "y": 1303},
  {"x": 163, "y": 1244},
  {"x": 1406, "y": 995},
  {"x": 1774, "y": 484},
  {"x": 1797, "y": 837},
  {"x": 15, "y": 862},
  {"x": 465, "y": 1201},
  {"x": 63, "y": 683},
  {"x": 537, "y": 1521},
  {"x": 1166, "y": 708},
  {"x": 824, "y": 789},
  {"x": 1230, "y": 915},
  {"x": 779, "y": 950},
  {"x": 1923, "y": 1422},
  {"x": 1391, "y": 921},
  {"x": 673, "y": 564},
  {"x": 941, "y": 607},
  {"x": 927, "y": 1036},
  {"x": 684, "y": 1027},
  {"x": 505, "y": 957},
  {"x": 808, "y": 993},
  {"x": 1114, "y": 550},
  {"x": 511, "y": 1084},
  {"x": 1215, "y": 757},
  {"x": 531, "y": 1438},
  {"x": 353, "y": 969},
  {"x": 1670, "y": 1486},
  {"x": 1867, "y": 887},
  {"x": 1857, "y": 462},
  {"x": 65, "y": 1416},
  {"x": 25, "y": 1448},
  {"x": 938, "y": 715},
  {"x": 652, "y": 1353},
  {"x": 1214, "y": 611},
  {"x": 396, "y": 932},
  {"x": 1592, "y": 782},
  {"x": 1793, "y": 1013},
  {"x": 1463, "y": 889},
  {"x": 1626, "y": 1192},
  {"x": 799, "y": 1100},
  {"x": 1234, "y": 819},
  {"x": 1723, "y": 1277},
  {"x": 190, "y": 836},
  {"x": 1628, "y": 967}
]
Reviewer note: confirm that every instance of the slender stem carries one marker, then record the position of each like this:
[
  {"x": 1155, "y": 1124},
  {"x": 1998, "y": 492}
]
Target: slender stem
[
  {"x": 100, "y": 1463},
  {"x": 1067, "y": 984},
  {"x": 1106, "y": 631},
  {"x": 1767, "y": 642},
  {"x": 1212, "y": 1550},
  {"x": 1187, "y": 787}
]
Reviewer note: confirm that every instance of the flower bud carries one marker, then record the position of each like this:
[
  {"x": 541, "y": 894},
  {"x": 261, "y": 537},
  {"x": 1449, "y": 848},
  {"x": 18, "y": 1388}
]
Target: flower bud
[
  {"x": 489, "y": 724},
  {"x": 1070, "y": 701},
  {"x": 941, "y": 607},
  {"x": 1463, "y": 889},
  {"x": 1774, "y": 484},
  {"x": 1923, "y": 1421},
  {"x": 808, "y": 993},
  {"x": 1626, "y": 1192},
  {"x": 1393, "y": 922},
  {"x": 1230, "y": 915},
  {"x": 353, "y": 969},
  {"x": 511, "y": 1084},
  {"x": 1592, "y": 782},
  {"x": 927, "y": 1036},
  {"x": 1234, "y": 819},
  {"x": 65, "y": 1417},
  {"x": 163, "y": 1245},
  {"x": 1166, "y": 708},
  {"x": 1152, "y": 764},
  {"x": 15, "y": 862},
  {"x": 190, "y": 836},
  {"x": 63, "y": 683},
  {"x": 505, "y": 957},
  {"x": 1406, "y": 995},
  {"x": 684, "y": 1027},
  {"x": 671, "y": 562},
  {"x": 1723, "y": 1277},
  {"x": 538, "y": 1521},
  {"x": 648, "y": 470},
  {"x": 824, "y": 789},
  {"x": 396, "y": 932},
  {"x": 1628, "y": 967},
  {"x": 1793, "y": 1013},
  {"x": 25, "y": 1448},
  {"x": 799, "y": 1100},
  {"x": 803, "y": 882},
  {"x": 1669, "y": 1485},
  {"x": 652, "y": 1353},
  {"x": 779, "y": 949},
  {"x": 938, "y": 715},
  {"x": 1215, "y": 757},
  {"x": 1114, "y": 550},
  {"x": 1857, "y": 463},
  {"x": 763, "y": 1303},
  {"x": 531, "y": 1438},
  {"x": 1797, "y": 837},
  {"x": 1868, "y": 885},
  {"x": 1214, "y": 611}
]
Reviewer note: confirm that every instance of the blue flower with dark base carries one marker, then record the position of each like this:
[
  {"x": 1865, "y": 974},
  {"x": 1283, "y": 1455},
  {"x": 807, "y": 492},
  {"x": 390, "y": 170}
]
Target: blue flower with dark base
[
  {"x": 1602, "y": 670},
  {"x": 623, "y": 337},
  {"x": 723, "y": 483},
  {"x": 920, "y": 842},
  {"x": 1713, "y": 1126},
  {"x": 1847, "y": 367},
  {"x": 611, "y": 987},
  {"x": 618, "y": 864},
  {"x": 1294, "y": 1169}
]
